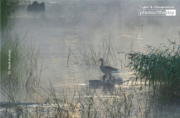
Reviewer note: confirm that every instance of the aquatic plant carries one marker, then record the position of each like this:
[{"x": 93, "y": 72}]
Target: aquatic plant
[
  {"x": 86, "y": 103},
  {"x": 18, "y": 58},
  {"x": 123, "y": 102},
  {"x": 160, "y": 68},
  {"x": 89, "y": 55}
]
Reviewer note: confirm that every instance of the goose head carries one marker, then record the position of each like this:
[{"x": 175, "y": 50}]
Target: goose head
[{"x": 101, "y": 59}]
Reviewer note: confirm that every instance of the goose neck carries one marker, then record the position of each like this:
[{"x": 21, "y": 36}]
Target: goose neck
[{"x": 101, "y": 63}]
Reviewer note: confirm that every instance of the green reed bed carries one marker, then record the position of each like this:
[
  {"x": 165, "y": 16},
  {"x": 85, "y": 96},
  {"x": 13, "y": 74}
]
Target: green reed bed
[{"x": 160, "y": 67}]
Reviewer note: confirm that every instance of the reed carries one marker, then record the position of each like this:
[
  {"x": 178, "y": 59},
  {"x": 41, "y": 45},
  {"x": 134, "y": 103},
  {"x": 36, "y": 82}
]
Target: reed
[
  {"x": 89, "y": 55},
  {"x": 87, "y": 103},
  {"x": 18, "y": 56},
  {"x": 160, "y": 68}
]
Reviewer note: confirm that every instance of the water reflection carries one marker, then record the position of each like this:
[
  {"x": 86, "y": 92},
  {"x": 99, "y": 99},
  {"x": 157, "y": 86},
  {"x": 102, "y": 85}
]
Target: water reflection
[{"x": 106, "y": 85}]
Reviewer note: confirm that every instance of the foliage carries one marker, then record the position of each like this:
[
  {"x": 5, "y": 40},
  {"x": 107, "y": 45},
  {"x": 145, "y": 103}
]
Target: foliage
[{"x": 159, "y": 67}]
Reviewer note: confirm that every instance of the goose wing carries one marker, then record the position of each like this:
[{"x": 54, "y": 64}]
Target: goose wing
[{"x": 110, "y": 68}]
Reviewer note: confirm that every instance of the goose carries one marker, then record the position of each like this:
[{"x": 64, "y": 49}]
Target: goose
[
  {"x": 106, "y": 69},
  {"x": 117, "y": 80},
  {"x": 109, "y": 82}
]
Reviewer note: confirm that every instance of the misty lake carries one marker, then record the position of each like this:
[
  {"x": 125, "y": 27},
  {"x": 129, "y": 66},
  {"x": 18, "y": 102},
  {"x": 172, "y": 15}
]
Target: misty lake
[{"x": 76, "y": 26}]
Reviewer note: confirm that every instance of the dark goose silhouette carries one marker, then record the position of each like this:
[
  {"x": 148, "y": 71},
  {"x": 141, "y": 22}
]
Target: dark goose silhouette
[{"x": 106, "y": 69}]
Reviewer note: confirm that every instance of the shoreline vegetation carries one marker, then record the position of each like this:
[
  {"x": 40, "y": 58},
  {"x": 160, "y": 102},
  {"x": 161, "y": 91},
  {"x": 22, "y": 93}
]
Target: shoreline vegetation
[
  {"x": 17, "y": 55},
  {"x": 158, "y": 68}
]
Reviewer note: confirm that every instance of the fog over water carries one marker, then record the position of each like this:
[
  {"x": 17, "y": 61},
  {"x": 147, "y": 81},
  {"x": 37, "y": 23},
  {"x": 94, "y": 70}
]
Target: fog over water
[{"x": 80, "y": 23}]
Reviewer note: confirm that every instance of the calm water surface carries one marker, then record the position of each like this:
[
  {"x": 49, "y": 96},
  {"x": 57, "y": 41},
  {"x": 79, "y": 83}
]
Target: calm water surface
[{"x": 79, "y": 24}]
